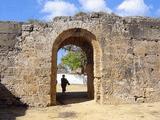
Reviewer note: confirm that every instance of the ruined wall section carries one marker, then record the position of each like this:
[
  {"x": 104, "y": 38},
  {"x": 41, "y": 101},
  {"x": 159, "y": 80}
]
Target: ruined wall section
[
  {"x": 23, "y": 82},
  {"x": 146, "y": 60},
  {"x": 9, "y": 33},
  {"x": 129, "y": 67},
  {"x": 33, "y": 66},
  {"x": 131, "y": 61}
]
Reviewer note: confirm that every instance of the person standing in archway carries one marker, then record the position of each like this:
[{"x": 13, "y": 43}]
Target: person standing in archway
[{"x": 64, "y": 83}]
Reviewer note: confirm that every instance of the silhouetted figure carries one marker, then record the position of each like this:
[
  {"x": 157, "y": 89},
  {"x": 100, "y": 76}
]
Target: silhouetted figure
[{"x": 64, "y": 83}]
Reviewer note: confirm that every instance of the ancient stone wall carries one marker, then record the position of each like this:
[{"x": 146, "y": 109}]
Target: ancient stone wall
[
  {"x": 132, "y": 51},
  {"x": 9, "y": 32},
  {"x": 126, "y": 57}
]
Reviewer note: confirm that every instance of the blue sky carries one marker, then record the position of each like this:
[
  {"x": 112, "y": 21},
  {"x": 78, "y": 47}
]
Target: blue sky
[{"x": 22, "y": 10}]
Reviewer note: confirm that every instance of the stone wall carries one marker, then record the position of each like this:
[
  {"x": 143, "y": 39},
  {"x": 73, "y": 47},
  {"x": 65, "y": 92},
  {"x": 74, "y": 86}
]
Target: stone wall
[
  {"x": 126, "y": 57},
  {"x": 132, "y": 51},
  {"x": 9, "y": 32}
]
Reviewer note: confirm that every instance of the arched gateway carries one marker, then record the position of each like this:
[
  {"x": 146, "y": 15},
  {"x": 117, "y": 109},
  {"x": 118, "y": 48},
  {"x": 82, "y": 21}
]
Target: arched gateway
[
  {"x": 123, "y": 58},
  {"x": 88, "y": 43}
]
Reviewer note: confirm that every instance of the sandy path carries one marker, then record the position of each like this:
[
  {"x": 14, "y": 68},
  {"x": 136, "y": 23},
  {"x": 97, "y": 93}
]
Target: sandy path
[
  {"x": 92, "y": 111},
  {"x": 86, "y": 110}
]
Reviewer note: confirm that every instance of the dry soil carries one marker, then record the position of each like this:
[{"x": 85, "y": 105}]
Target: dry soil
[{"x": 84, "y": 110}]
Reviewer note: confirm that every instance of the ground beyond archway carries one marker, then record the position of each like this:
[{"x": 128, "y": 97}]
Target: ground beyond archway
[{"x": 84, "y": 40}]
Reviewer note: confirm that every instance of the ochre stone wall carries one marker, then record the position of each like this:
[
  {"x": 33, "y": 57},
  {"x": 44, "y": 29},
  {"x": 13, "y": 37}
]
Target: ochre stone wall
[{"x": 126, "y": 57}]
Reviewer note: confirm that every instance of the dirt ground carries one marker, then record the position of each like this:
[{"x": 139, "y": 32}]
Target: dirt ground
[
  {"x": 73, "y": 88},
  {"x": 85, "y": 110}
]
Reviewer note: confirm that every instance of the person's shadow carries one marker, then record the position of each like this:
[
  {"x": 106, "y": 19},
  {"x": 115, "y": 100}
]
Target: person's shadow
[{"x": 10, "y": 105}]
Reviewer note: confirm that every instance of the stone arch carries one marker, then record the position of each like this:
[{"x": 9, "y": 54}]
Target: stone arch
[{"x": 88, "y": 42}]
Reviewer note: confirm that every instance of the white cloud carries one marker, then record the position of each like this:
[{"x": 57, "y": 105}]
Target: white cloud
[
  {"x": 94, "y": 6},
  {"x": 58, "y": 8},
  {"x": 133, "y": 8}
]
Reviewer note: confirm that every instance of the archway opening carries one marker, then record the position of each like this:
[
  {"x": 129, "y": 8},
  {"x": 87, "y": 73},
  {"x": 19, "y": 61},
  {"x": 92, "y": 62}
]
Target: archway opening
[
  {"x": 87, "y": 42},
  {"x": 74, "y": 65}
]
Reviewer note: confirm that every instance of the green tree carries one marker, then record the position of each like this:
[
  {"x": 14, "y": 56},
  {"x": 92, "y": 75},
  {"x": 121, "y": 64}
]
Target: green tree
[{"x": 75, "y": 58}]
